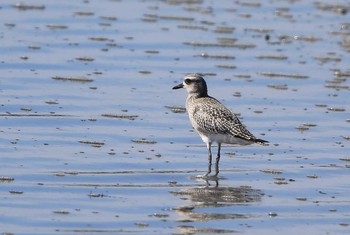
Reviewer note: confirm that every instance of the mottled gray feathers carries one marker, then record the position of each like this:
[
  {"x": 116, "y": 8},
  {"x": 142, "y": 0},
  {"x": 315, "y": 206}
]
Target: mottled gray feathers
[{"x": 212, "y": 117}]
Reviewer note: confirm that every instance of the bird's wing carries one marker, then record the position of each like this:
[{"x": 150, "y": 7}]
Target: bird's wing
[{"x": 213, "y": 117}]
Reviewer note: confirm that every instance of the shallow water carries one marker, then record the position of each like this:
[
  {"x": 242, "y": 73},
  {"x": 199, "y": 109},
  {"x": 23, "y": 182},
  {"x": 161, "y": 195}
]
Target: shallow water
[{"x": 89, "y": 143}]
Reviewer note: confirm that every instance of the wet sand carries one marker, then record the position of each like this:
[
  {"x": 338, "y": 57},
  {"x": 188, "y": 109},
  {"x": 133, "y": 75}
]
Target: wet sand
[{"x": 94, "y": 141}]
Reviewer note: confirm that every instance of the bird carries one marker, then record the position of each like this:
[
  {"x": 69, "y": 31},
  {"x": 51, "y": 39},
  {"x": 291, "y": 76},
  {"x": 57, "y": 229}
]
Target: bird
[{"x": 214, "y": 122}]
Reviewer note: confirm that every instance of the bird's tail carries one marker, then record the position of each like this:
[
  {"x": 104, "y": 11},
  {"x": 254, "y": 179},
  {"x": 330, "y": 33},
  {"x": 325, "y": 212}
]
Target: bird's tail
[{"x": 262, "y": 142}]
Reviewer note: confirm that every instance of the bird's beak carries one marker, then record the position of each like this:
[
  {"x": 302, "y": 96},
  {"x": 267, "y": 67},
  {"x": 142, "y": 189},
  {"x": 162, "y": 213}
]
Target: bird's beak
[{"x": 178, "y": 86}]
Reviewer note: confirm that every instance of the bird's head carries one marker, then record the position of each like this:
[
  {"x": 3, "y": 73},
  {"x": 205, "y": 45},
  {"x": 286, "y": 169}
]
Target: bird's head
[{"x": 194, "y": 84}]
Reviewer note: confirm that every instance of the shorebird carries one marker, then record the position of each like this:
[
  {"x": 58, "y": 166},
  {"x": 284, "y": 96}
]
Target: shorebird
[{"x": 212, "y": 120}]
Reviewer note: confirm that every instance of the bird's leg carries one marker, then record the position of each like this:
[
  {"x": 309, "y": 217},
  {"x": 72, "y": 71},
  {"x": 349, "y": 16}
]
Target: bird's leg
[
  {"x": 209, "y": 158},
  {"x": 217, "y": 160}
]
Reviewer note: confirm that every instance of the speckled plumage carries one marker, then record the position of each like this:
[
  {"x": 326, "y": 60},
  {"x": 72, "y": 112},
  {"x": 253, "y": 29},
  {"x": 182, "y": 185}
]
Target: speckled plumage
[
  {"x": 209, "y": 117},
  {"x": 212, "y": 120}
]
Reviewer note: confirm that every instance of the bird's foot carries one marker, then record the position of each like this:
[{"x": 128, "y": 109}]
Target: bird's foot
[{"x": 207, "y": 177}]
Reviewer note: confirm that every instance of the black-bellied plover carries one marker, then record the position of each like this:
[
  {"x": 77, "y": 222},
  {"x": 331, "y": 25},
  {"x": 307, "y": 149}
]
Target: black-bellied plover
[{"x": 212, "y": 120}]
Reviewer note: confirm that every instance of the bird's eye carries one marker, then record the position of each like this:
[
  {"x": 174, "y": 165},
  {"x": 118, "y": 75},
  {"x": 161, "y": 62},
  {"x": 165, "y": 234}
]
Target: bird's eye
[{"x": 188, "y": 81}]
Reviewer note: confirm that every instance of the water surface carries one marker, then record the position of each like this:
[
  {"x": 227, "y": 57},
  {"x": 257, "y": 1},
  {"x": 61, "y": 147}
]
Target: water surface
[{"x": 89, "y": 144}]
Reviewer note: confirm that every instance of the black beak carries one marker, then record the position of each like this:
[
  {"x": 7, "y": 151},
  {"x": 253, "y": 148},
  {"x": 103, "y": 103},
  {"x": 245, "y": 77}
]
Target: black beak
[{"x": 178, "y": 86}]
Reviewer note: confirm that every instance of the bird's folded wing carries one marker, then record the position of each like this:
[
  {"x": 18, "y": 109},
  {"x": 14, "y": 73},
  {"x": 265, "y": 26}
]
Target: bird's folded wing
[{"x": 219, "y": 120}]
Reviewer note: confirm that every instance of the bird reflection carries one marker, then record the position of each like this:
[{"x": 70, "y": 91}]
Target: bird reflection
[
  {"x": 216, "y": 196},
  {"x": 213, "y": 196}
]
